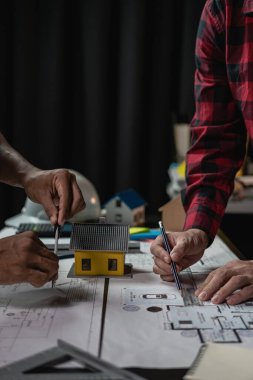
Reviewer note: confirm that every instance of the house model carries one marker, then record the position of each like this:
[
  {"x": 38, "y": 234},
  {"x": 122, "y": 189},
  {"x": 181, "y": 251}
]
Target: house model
[
  {"x": 126, "y": 207},
  {"x": 99, "y": 248}
]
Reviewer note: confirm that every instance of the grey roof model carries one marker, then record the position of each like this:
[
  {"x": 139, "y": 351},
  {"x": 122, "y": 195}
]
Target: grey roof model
[{"x": 99, "y": 237}]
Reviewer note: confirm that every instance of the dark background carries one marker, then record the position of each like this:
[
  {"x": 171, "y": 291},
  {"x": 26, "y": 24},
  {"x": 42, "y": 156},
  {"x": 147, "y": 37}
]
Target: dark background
[{"x": 95, "y": 86}]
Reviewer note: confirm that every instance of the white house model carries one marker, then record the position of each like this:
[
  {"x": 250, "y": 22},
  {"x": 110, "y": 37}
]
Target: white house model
[{"x": 126, "y": 207}]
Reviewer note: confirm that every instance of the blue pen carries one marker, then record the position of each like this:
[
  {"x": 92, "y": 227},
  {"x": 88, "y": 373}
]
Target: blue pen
[{"x": 168, "y": 249}]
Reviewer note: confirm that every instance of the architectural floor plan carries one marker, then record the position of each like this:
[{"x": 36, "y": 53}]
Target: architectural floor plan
[
  {"x": 137, "y": 321},
  {"x": 34, "y": 319},
  {"x": 162, "y": 329}
]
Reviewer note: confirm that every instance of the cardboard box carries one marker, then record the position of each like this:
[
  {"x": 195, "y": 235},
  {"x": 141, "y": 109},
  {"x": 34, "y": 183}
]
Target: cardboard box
[{"x": 173, "y": 214}]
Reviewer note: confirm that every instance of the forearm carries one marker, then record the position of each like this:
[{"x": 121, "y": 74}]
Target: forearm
[
  {"x": 212, "y": 164},
  {"x": 218, "y": 134},
  {"x": 14, "y": 168}
]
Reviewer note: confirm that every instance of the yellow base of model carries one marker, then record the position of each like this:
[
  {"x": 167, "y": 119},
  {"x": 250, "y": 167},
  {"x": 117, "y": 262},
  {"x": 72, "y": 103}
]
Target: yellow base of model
[{"x": 99, "y": 263}]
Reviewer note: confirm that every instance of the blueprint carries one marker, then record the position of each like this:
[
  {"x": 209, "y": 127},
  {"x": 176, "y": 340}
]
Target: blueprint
[
  {"x": 147, "y": 323},
  {"x": 32, "y": 319},
  {"x": 159, "y": 328}
]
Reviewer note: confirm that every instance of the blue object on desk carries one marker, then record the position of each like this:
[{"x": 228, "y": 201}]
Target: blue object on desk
[{"x": 151, "y": 234}]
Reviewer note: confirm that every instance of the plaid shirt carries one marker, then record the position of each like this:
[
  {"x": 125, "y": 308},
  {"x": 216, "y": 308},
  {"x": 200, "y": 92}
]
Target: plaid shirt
[{"x": 224, "y": 110}]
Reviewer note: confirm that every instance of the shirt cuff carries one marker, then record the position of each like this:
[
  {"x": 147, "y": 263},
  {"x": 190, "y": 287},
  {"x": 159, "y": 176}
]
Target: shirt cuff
[{"x": 202, "y": 218}]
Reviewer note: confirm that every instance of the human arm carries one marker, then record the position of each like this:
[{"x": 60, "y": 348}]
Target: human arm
[
  {"x": 218, "y": 133},
  {"x": 218, "y": 144},
  {"x": 57, "y": 190},
  {"x": 24, "y": 258}
]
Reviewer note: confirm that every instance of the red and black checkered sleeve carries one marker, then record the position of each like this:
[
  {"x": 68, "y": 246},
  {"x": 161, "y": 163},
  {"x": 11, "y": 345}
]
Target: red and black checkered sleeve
[{"x": 218, "y": 134}]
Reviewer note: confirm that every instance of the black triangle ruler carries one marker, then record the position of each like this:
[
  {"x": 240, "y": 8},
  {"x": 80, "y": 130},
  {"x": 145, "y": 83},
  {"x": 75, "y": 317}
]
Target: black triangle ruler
[{"x": 52, "y": 364}]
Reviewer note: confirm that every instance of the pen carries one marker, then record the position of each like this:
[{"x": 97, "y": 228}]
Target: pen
[
  {"x": 57, "y": 233},
  {"x": 168, "y": 249}
]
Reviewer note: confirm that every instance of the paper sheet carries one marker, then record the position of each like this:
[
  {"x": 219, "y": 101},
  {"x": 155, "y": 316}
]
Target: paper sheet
[
  {"x": 157, "y": 329},
  {"x": 220, "y": 362},
  {"x": 32, "y": 320}
]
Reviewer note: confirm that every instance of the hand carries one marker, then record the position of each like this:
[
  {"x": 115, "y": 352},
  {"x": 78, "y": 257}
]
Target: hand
[
  {"x": 232, "y": 283},
  {"x": 188, "y": 248},
  {"x": 24, "y": 258},
  {"x": 57, "y": 191}
]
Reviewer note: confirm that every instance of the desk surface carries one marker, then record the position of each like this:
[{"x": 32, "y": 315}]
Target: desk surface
[{"x": 139, "y": 323}]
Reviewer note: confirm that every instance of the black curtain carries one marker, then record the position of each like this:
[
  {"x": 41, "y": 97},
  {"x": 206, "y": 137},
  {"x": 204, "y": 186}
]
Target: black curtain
[{"x": 95, "y": 85}]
